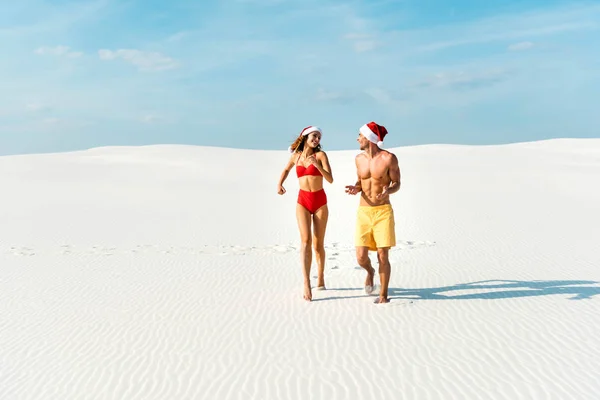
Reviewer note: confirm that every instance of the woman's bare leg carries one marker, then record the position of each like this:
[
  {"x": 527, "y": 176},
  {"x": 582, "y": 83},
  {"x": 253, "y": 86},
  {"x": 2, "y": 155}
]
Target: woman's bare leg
[
  {"x": 319, "y": 226},
  {"x": 304, "y": 221}
]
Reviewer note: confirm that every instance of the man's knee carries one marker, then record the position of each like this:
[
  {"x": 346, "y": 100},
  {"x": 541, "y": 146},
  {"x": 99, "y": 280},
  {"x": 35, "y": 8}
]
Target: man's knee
[
  {"x": 362, "y": 256},
  {"x": 383, "y": 256}
]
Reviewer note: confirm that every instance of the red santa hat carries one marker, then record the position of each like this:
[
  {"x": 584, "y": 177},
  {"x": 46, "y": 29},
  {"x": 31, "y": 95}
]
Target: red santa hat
[
  {"x": 374, "y": 133},
  {"x": 307, "y": 131},
  {"x": 310, "y": 129}
]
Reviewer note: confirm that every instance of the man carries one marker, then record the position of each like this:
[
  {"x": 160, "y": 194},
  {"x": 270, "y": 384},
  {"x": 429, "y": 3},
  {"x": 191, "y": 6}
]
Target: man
[{"x": 378, "y": 177}]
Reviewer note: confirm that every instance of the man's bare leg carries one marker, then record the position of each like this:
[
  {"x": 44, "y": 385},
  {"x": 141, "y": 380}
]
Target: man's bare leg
[
  {"x": 384, "y": 273},
  {"x": 304, "y": 221},
  {"x": 320, "y": 225},
  {"x": 362, "y": 257}
]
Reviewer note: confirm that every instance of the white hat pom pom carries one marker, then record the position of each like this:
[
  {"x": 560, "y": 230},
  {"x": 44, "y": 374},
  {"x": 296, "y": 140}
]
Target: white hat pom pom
[{"x": 380, "y": 144}]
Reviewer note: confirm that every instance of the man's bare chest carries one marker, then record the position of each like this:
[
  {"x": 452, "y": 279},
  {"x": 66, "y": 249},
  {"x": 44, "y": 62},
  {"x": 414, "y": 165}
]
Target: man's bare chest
[{"x": 372, "y": 171}]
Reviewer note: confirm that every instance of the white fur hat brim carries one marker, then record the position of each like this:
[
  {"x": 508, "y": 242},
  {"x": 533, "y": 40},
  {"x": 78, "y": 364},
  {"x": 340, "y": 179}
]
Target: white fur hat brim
[{"x": 370, "y": 135}]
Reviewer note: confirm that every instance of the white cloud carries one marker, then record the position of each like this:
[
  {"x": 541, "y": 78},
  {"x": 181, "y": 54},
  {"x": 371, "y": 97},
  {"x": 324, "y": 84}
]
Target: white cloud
[
  {"x": 325, "y": 95},
  {"x": 521, "y": 46},
  {"x": 463, "y": 80},
  {"x": 381, "y": 96},
  {"x": 51, "y": 121},
  {"x": 514, "y": 27},
  {"x": 36, "y": 107},
  {"x": 177, "y": 37},
  {"x": 365, "y": 45},
  {"x": 150, "y": 119},
  {"x": 362, "y": 43},
  {"x": 145, "y": 61},
  {"x": 61, "y": 51},
  {"x": 336, "y": 97},
  {"x": 260, "y": 2},
  {"x": 356, "y": 36}
]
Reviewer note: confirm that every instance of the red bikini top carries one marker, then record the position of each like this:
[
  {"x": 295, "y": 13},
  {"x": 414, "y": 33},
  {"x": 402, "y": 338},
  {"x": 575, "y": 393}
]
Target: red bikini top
[{"x": 301, "y": 170}]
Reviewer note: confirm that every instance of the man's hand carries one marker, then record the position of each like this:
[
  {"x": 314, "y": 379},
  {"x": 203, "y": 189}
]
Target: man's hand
[
  {"x": 383, "y": 194},
  {"x": 280, "y": 189},
  {"x": 352, "y": 189}
]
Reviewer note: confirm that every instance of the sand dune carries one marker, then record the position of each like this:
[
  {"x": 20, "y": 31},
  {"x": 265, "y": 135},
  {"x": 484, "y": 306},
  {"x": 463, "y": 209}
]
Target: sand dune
[{"x": 172, "y": 272}]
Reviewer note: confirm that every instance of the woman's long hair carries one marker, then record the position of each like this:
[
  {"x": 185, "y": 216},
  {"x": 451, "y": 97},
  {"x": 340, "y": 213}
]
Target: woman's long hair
[{"x": 298, "y": 144}]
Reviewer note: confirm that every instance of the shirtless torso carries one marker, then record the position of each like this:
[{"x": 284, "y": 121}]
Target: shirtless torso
[{"x": 378, "y": 177}]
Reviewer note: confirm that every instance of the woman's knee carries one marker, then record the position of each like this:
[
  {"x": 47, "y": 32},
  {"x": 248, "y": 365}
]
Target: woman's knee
[
  {"x": 319, "y": 246},
  {"x": 306, "y": 242}
]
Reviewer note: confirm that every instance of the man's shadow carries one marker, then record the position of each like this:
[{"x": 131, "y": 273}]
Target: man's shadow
[
  {"x": 500, "y": 289},
  {"x": 489, "y": 290}
]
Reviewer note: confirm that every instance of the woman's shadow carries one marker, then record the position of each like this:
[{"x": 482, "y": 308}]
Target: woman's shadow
[{"x": 500, "y": 289}]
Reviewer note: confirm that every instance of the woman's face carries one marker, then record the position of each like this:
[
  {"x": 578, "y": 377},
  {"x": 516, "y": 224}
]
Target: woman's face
[{"x": 313, "y": 139}]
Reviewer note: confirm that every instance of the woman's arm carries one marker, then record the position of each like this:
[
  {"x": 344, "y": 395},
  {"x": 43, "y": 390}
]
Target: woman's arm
[
  {"x": 324, "y": 168},
  {"x": 284, "y": 175}
]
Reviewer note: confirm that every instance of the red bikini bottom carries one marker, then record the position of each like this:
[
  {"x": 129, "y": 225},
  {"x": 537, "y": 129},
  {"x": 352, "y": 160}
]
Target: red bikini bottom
[{"x": 312, "y": 201}]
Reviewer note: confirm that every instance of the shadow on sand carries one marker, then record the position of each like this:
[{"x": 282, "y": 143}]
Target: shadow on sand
[
  {"x": 501, "y": 289},
  {"x": 490, "y": 290}
]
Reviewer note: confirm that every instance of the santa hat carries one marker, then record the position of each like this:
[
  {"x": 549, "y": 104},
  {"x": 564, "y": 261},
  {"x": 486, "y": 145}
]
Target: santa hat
[
  {"x": 305, "y": 132},
  {"x": 374, "y": 132},
  {"x": 310, "y": 129}
]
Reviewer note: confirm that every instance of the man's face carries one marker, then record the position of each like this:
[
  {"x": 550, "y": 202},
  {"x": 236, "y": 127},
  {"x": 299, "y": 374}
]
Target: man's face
[
  {"x": 313, "y": 139},
  {"x": 363, "y": 142}
]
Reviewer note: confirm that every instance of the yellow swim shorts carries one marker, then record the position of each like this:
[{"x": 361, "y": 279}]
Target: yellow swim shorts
[{"x": 375, "y": 227}]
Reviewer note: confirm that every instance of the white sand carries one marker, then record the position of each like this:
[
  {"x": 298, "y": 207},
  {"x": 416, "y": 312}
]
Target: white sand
[{"x": 172, "y": 272}]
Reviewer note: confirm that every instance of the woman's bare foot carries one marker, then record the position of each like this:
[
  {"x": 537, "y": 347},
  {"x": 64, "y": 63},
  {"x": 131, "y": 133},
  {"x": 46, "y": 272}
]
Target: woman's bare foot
[
  {"x": 381, "y": 300},
  {"x": 307, "y": 292},
  {"x": 321, "y": 282}
]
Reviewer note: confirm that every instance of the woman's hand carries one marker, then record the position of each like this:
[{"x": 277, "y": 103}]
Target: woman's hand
[
  {"x": 280, "y": 189},
  {"x": 312, "y": 160}
]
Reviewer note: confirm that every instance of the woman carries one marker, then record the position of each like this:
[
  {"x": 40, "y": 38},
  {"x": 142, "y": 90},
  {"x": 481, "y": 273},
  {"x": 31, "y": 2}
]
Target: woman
[{"x": 312, "y": 166}]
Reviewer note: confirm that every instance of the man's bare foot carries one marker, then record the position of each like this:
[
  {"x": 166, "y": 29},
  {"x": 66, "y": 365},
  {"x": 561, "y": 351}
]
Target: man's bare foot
[
  {"x": 381, "y": 300},
  {"x": 369, "y": 281},
  {"x": 307, "y": 292}
]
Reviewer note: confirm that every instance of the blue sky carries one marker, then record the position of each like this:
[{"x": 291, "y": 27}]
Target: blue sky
[{"x": 253, "y": 73}]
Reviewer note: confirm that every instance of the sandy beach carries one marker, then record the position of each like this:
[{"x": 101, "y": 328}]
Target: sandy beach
[{"x": 173, "y": 272}]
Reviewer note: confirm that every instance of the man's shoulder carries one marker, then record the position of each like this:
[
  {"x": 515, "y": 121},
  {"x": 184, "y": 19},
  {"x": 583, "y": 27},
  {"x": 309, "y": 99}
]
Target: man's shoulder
[{"x": 389, "y": 155}]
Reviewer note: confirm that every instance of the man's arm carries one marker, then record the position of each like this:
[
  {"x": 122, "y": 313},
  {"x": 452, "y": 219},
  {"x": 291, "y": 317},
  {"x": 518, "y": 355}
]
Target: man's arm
[
  {"x": 357, "y": 187},
  {"x": 358, "y": 184},
  {"x": 394, "y": 173}
]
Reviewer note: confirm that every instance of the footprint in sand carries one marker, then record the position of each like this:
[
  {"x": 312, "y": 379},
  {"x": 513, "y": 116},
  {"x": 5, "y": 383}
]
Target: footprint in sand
[
  {"x": 66, "y": 249},
  {"x": 22, "y": 251},
  {"x": 336, "y": 252},
  {"x": 142, "y": 248},
  {"x": 400, "y": 303},
  {"x": 281, "y": 249},
  {"x": 103, "y": 251}
]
